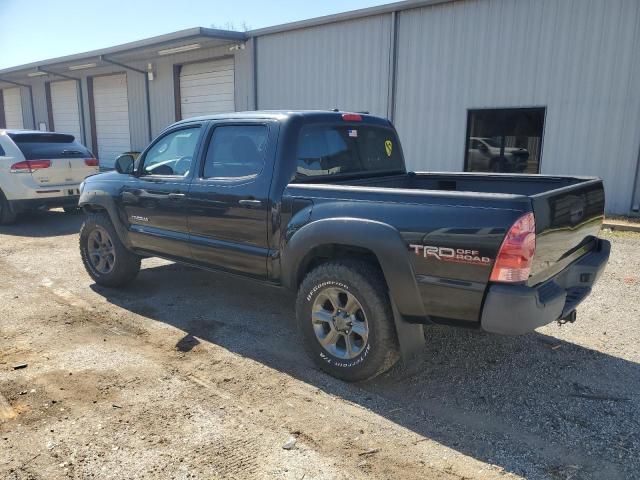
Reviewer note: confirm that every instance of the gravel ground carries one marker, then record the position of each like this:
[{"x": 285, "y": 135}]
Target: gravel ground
[{"x": 188, "y": 374}]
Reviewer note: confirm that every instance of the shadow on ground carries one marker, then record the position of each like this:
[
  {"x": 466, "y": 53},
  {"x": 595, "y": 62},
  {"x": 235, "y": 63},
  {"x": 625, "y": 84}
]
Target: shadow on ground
[
  {"x": 40, "y": 224},
  {"x": 534, "y": 405}
]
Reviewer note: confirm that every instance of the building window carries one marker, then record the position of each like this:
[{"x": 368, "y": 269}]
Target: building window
[{"x": 507, "y": 140}]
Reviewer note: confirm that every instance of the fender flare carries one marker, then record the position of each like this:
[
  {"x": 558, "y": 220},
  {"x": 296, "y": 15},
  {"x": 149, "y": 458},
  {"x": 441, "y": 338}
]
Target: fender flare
[
  {"x": 392, "y": 253},
  {"x": 103, "y": 201}
]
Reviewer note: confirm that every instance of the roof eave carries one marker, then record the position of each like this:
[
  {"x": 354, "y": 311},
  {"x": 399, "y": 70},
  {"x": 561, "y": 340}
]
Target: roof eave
[
  {"x": 344, "y": 16},
  {"x": 138, "y": 44}
]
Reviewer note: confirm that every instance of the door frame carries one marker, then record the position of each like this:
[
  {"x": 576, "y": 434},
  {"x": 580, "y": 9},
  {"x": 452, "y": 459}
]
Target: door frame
[
  {"x": 177, "y": 69},
  {"x": 92, "y": 107}
]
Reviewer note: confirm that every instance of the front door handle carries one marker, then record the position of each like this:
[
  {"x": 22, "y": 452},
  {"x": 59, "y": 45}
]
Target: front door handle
[
  {"x": 176, "y": 196},
  {"x": 250, "y": 203}
]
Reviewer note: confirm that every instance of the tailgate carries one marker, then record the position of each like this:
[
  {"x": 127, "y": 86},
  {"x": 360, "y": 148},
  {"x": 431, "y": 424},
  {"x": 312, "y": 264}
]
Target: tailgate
[
  {"x": 66, "y": 162},
  {"x": 567, "y": 221}
]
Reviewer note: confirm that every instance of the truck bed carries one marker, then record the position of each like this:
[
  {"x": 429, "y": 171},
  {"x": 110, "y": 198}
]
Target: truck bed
[
  {"x": 568, "y": 210},
  {"x": 528, "y": 185}
]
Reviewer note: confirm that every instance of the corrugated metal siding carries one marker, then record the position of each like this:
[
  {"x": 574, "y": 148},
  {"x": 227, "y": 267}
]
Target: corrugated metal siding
[
  {"x": 342, "y": 65},
  {"x": 578, "y": 58},
  {"x": 138, "y": 119}
]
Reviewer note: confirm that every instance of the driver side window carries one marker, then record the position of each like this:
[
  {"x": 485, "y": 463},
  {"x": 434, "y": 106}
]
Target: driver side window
[{"x": 172, "y": 154}]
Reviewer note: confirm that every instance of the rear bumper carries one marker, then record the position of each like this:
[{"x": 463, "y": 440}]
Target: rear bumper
[
  {"x": 518, "y": 309},
  {"x": 19, "y": 206}
]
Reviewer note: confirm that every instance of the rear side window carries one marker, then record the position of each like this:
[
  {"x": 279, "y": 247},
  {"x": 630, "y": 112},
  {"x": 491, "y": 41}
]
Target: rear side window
[
  {"x": 2, "y": 154},
  {"x": 36, "y": 146},
  {"x": 325, "y": 150},
  {"x": 236, "y": 151}
]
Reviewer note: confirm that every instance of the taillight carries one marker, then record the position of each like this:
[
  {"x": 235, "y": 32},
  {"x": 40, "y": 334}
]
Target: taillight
[
  {"x": 91, "y": 162},
  {"x": 30, "y": 166},
  {"x": 513, "y": 263},
  {"x": 351, "y": 117}
]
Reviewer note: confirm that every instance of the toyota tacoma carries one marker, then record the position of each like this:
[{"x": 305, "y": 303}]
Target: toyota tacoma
[{"x": 320, "y": 202}]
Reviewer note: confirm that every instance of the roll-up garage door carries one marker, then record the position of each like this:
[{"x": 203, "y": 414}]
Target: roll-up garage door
[
  {"x": 207, "y": 88},
  {"x": 12, "y": 107},
  {"x": 112, "y": 117},
  {"x": 64, "y": 105}
]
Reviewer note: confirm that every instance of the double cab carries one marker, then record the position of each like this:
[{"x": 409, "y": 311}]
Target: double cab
[{"x": 321, "y": 202}]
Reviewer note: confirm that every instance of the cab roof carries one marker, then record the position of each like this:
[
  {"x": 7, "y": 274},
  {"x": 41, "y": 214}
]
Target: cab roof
[{"x": 284, "y": 115}]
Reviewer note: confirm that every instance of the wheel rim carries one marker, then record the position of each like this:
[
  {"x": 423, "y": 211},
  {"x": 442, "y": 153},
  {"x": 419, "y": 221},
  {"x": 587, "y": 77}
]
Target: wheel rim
[
  {"x": 340, "y": 323},
  {"x": 102, "y": 255}
]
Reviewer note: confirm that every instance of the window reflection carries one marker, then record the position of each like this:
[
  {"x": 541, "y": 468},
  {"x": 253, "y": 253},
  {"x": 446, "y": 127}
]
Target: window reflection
[{"x": 504, "y": 140}]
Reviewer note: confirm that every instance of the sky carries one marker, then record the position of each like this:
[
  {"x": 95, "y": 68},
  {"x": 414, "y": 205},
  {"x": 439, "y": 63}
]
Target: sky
[{"x": 33, "y": 30}]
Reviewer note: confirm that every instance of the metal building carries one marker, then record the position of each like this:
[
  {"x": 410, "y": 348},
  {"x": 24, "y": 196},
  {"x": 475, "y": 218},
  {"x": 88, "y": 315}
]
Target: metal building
[{"x": 549, "y": 86}]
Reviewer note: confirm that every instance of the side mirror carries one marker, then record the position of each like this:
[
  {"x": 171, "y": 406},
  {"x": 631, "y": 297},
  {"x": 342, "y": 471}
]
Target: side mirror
[{"x": 124, "y": 163}]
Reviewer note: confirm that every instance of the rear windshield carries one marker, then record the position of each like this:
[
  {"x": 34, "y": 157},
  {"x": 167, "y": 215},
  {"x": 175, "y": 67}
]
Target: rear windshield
[
  {"x": 36, "y": 146},
  {"x": 335, "y": 150}
]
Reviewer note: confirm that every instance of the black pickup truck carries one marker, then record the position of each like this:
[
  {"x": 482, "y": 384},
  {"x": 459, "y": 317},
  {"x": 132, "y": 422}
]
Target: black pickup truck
[{"x": 321, "y": 203}]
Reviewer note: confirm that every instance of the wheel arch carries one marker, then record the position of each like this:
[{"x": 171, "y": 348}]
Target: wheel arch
[
  {"x": 375, "y": 241},
  {"x": 94, "y": 202}
]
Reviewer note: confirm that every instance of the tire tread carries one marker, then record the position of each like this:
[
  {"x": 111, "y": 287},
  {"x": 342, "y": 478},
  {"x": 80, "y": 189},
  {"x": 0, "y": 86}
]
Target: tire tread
[{"x": 369, "y": 281}]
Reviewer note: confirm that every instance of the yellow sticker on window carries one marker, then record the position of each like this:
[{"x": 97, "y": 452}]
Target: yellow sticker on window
[{"x": 388, "y": 147}]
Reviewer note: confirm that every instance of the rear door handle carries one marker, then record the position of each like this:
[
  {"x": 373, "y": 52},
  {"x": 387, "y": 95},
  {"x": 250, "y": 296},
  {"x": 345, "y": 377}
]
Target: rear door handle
[
  {"x": 176, "y": 196},
  {"x": 250, "y": 203}
]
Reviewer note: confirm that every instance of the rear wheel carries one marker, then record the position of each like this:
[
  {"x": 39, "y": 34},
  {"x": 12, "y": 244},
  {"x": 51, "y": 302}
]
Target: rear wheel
[
  {"x": 345, "y": 317},
  {"x": 7, "y": 215},
  {"x": 104, "y": 256}
]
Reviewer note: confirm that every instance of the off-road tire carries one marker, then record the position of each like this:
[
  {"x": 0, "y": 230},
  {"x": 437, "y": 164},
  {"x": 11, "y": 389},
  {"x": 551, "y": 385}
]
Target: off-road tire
[
  {"x": 7, "y": 216},
  {"x": 366, "y": 283},
  {"x": 126, "y": 265}
]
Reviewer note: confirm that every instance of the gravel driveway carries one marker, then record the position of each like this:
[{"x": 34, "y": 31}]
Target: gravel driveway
[{"x": 189, "y": 374}]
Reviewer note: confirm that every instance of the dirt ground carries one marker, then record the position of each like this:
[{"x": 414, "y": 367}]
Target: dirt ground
[{"x": 190, "y": 374}]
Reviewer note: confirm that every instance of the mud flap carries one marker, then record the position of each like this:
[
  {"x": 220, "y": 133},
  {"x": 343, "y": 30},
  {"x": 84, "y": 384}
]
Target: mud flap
[{"x": 410, "y": 338}]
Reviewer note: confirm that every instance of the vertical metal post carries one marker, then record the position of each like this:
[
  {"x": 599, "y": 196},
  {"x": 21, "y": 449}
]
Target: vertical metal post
[
  {"x": 33, "y": 111},
  {"x": 146, "y": 89},
  {"x": 254, "y": 49},
  {"x": 393, "y": 67},
  {"x": 635, "y": 193}
]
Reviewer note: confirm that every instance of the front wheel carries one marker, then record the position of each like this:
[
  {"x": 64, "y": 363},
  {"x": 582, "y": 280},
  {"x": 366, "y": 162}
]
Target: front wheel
[
  {"x": 104, "y": 256},
  {"x": 345, "y": 317}
]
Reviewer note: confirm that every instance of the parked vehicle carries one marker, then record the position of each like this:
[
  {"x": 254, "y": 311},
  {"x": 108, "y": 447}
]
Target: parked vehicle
[
  {"x": 41, "y": 170},
  {"x": 485, "y": 156},
  {"x": 321, "y": 203}
]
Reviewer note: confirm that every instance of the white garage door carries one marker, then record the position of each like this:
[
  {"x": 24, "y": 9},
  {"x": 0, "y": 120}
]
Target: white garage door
[
  {"x": 64, "y": 104},
  {"x": 112, "y": 117},
  {"x": 12, "y": 107},
  {"x": 207, "y": 88}
]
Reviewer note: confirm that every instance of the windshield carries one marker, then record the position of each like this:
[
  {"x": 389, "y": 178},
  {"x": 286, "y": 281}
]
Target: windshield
[
  {"x": 326, "y": 150},
  {"x": 492, "y": 142}
]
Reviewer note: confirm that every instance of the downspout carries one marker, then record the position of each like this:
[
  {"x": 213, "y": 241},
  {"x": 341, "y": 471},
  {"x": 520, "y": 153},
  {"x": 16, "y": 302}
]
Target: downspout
[
  {"x": 146, "y": 88},
  {"x": 254, "y": 49}
]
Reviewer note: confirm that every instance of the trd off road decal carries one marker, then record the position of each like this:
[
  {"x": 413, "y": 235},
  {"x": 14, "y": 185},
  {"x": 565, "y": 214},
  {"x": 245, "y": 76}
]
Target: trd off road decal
[{"x": 446, "y": 254}]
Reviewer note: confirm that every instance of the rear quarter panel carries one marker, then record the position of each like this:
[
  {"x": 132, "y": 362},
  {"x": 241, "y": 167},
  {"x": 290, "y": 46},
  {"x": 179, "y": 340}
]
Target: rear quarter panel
[{"x": 450, "y": 239}]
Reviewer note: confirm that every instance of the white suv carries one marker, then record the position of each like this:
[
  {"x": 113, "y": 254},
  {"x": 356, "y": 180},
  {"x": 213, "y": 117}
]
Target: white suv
[{"x": 41, "y": 170}]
